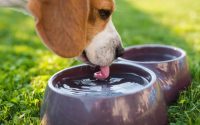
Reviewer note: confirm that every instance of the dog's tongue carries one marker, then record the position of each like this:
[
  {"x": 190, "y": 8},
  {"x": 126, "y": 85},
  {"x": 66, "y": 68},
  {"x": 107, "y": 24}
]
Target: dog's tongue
[{"x": 103, "y": 73}]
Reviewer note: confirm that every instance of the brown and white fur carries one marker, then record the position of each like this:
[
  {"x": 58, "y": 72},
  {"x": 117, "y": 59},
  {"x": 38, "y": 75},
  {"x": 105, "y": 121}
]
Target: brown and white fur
[{"x": 75, "y": 28}]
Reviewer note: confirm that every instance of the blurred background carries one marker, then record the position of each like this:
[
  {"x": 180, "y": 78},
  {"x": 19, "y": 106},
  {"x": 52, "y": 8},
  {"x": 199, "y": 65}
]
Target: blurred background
[{"x": 26, "y": 64}]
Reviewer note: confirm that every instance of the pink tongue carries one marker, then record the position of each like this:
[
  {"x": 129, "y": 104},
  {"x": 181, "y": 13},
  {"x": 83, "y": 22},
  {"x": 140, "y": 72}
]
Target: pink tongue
[{"x": 103, "y": 73}]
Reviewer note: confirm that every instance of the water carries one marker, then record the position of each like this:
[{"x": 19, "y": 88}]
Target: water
[
  {"x": 151, "y": 57},
  {"x": 116, "y": 84}
]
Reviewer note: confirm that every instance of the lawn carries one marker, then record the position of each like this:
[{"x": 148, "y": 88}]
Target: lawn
[{"x": 26, "y": 65}]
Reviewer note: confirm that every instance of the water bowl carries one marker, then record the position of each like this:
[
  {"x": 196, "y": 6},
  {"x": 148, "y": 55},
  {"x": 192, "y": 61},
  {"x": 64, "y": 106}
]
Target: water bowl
[
  {"x": 169, "y": 64},
  {"x": 130, "y": 96}
]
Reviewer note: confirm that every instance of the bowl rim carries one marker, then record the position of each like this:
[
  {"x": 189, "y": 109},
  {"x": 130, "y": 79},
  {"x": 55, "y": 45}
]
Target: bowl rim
[
  {"x": 150, "y": 72},
  {"x": 181, "y": 51}
]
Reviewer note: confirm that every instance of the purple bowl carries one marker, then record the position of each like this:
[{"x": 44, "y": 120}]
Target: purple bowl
[
  {"x": 104, "y": 104},
  {"x": 169, "y": 64}
]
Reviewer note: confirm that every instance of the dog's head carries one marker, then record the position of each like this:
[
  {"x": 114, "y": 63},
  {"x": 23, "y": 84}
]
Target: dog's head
[{"x": 78, "y": 28}]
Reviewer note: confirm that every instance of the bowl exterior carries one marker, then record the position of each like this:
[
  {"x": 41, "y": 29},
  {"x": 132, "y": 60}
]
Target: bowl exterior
[
  {"x": 145, "y": 107},
  {"x": 173, "y": 76}
]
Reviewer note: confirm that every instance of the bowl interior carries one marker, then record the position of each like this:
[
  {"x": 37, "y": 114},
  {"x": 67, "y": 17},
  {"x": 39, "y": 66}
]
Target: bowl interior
[
  {"x": 154, "y": 53},
  {"x": 124, "y": 79}
]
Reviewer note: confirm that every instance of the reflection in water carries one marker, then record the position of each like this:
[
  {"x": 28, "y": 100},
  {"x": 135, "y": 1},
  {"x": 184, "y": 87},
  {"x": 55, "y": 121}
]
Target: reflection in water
[{"x": 117, "y": 84}]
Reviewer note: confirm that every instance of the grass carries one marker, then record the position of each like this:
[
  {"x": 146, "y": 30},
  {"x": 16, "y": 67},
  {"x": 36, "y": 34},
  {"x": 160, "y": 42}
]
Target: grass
[{"x": 26, "y": 65}]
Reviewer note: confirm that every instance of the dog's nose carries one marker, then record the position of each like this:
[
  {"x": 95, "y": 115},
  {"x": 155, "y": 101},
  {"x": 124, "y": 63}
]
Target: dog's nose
[{"x": 119, "y": 51}]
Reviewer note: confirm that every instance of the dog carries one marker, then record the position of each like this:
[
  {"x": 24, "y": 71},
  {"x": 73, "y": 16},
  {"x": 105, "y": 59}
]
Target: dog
[{"x": 76, "y": 28}]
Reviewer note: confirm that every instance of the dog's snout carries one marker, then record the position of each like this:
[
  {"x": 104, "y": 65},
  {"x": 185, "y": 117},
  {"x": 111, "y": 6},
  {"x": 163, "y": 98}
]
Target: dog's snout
[{"x": 119, "y": 51}]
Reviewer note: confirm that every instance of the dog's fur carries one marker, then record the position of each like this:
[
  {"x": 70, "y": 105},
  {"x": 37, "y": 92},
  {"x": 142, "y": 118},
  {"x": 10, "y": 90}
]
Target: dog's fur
[{"x": 70, "y": 27}]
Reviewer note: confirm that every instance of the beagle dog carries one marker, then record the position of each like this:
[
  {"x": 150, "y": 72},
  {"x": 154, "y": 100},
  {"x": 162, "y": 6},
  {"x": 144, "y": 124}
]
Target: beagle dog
[{"x": 76, "y": 28}]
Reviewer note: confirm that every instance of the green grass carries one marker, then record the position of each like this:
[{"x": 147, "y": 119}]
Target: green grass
[{"x": 26, "y": 65}]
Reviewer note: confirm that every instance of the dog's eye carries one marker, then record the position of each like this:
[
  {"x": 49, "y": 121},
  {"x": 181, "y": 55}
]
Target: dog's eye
[{"x": 104, "y": 14}]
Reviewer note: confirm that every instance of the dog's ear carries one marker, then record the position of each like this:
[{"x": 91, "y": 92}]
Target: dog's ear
[{"x": 62, "y": 24}]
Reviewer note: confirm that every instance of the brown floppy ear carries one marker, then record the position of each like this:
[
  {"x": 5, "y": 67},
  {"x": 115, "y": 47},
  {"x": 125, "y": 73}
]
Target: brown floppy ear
[{"x": 62, "y": 24}]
